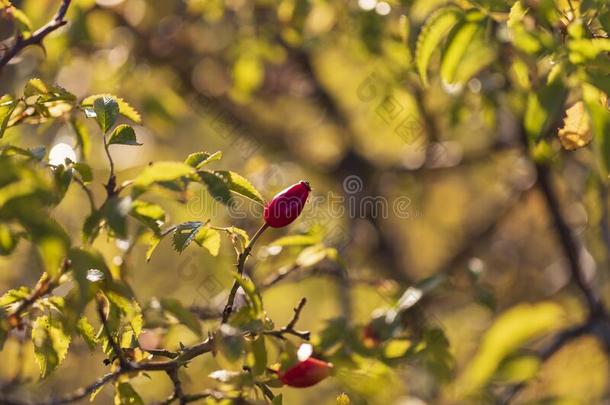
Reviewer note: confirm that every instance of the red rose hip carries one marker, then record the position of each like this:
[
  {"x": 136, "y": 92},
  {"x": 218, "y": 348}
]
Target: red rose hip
[
  {"x": 287, "y": 205},
  {"x": 306, "y": 373}
]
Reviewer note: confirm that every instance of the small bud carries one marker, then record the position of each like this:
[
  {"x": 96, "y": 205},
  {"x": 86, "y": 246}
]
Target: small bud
[
  {"x": 286, "y": 206},
  {"x": 306, "y": 373}
]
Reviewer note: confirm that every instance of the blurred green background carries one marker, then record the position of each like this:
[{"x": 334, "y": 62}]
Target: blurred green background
[{"x": 316, "y": 90}]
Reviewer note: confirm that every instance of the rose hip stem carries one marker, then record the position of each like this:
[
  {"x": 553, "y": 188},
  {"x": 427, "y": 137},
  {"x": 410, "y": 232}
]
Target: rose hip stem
[{"x": 241, "y": 262}]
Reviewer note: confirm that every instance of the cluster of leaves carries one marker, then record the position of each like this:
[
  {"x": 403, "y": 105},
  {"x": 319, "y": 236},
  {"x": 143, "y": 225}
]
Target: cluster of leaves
[
  {"x": 555, "y": 55},
  {"x": 553, "y": 58},
  {"x": 249, "y": 344}
]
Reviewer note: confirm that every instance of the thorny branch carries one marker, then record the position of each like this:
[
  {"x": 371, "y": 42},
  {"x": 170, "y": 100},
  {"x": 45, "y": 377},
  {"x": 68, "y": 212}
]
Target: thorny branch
[
  {"x": 178, "y": 394},
  {"x": 289, "y": 328},
  {"x": 181, "y": 358},
  {"x": 37, "y": 37}
]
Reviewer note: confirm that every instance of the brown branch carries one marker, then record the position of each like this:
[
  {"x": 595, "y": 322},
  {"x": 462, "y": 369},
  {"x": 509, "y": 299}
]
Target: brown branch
[
  {"x": 289, "y": 328},
  {"x": 37, "y": 37},
  {"x": 178, "y": 393},
  {"x": 570, "y": 245},
  {"x": 187, "y": 398},
  {"x": 43, "y": 287},
  {"x": 183, "y": 357}
]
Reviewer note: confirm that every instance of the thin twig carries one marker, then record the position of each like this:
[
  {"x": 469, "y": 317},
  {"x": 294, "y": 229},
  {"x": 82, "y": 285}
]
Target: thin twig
[
  {"x": 111, "y": 184},
  {"x": 37, "y": 37},
  {"x": 113, "y": 343},
  {"x": 44, "y": 286},
  {"x": 571, "y": 247},
  {"x": 88, "y": 192},
  {"x": 241, "y": 262},
  {"x": 289, "y": 328},
  {"x": 178, "y": 393}
]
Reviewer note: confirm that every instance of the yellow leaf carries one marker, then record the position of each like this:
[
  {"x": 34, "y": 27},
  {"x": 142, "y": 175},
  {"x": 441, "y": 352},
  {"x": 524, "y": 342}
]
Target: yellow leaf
[{"x": 576, "y": 130}]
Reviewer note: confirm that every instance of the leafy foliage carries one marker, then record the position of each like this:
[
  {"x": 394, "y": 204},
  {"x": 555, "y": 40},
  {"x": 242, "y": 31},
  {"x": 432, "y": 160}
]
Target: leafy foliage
[{"x": 535, "y": 71}]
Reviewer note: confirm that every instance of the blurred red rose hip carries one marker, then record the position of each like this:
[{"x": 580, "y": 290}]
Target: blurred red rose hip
[
  {"x": 306, "y": 373},
  {"x": 287, "y": 205}
]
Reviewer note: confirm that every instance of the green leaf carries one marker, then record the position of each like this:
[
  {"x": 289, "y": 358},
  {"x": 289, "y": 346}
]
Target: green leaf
[
  {"x": 24, "y": 25},
  {"x": 83, "y": 261},
  {"x": 312, "y": 255},
  {"x": 15, "y": 295},
  {"x": 517, "y": 12},
  {"x": 151, "y": 215},
  {"x": 184, "y": 234},
  {"x": 240, "y": 185},
  {"x": 35, "y": 87},
  {"x": 85, "y": 172},
  {"x": 160, "y": 172},
  {"x": 123, "y": 135},
  {"x": 50, "y": 238},
  {"x": 4, "y": 329},
  {"x": 125, "y": 395},
  {"x": 63, "y": 178},
  {"x": 257, "y": 357},
  {"x": 255, "y": 301},
  {"x": 279, "y": 400},
  {"x": 106, "y": 112},
  {"x": 585, "y": 50},
  {"x": 7, "y": 106},
  {"x": 459, "y": 42},
  {"x": 230, "y": 344},
  {"x": 209, "y": 239},
  {"x": 86, "y": 331},
  {"x": 182, "y": 314},
  {"x": 296, "y": 240},
  {"x": 129, "y": 307},
  {"x": 152, "y": 245},
  {"x": 335, "y": 330},
  {"x": 125, "y": 109},
  {"x": 466, "y": 53},
  {"x": 509, "y": 332},
  {"x": 115, "y": 211},
  {"x": 435, "y": 29},
  {"x": 51, "y": 343},
  {"x": 218, "y": 187},
  {"x": 436, "y": 355},
  {"x": 600, "y": 124},
  {"x": 542, "y": 107},
  {"x": 91, "y": 227},
  {"x": 199, "y": 159}
]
